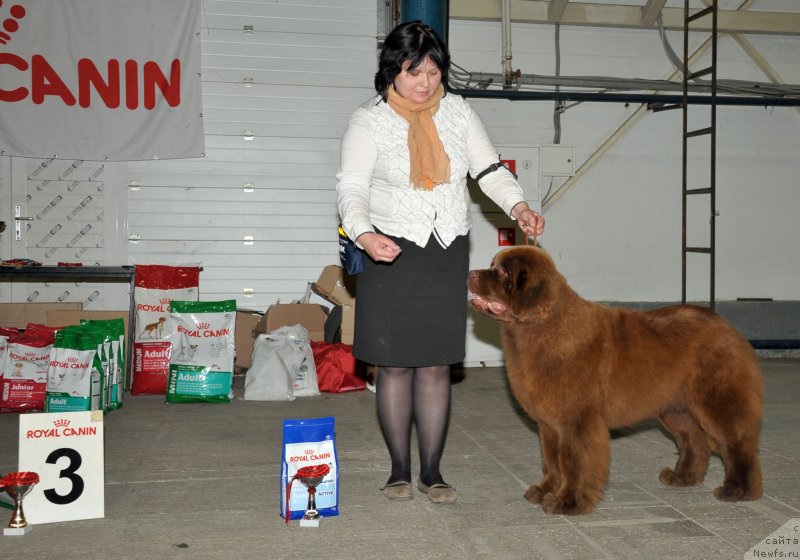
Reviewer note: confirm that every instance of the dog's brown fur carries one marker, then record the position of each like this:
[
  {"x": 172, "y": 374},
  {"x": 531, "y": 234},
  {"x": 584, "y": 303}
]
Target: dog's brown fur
[{"x": 579, "y": 368}]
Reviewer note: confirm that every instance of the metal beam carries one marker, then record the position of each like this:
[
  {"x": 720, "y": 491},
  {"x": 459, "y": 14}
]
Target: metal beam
[
  {"x": 556, "y": 9},
  {"x": 754, "y": 54},
  {"x": 617, "y": 15},
  {"x": 651, "y": 10},
  {"x": 655, "y": 100},
  {"x": 615, "y": 136}
]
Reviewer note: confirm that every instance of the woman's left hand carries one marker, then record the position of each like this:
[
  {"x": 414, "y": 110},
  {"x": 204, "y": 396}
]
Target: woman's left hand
[{"x": 531, "y": 223}]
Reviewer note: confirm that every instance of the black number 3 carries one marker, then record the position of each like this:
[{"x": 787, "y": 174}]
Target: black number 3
[{"x": 75, "y": 461}]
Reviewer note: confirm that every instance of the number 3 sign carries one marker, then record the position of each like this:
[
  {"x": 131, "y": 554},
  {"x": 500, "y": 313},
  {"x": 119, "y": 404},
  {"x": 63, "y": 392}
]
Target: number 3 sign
[{"x": 66, "y": 449}]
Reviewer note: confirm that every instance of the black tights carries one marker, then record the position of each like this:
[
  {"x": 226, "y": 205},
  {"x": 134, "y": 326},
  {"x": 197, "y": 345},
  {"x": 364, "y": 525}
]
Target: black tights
[{"x": 421, "y": 394}]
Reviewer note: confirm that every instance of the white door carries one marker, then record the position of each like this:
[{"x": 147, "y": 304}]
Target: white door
[
  {"x": 63, "y": 211},
  {"x": 492, "y": 231}
]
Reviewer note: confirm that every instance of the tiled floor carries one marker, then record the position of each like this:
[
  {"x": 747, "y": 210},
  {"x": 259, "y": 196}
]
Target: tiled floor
[{"x": 200, "y": 481}]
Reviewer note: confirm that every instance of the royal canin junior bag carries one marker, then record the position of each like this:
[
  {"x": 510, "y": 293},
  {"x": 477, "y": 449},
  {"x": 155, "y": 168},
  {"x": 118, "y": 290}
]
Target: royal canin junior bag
[{"x": 24, "y": 368}]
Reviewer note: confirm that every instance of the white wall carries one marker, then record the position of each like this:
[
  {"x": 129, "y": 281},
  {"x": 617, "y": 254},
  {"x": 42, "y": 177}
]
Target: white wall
[
  {"x": 616, "y": 234},
  {"x": 310, "y": 65}
]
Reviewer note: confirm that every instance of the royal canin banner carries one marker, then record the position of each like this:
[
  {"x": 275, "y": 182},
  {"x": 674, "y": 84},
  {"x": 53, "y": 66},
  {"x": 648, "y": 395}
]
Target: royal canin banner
[{"x": 99, "y": 80}]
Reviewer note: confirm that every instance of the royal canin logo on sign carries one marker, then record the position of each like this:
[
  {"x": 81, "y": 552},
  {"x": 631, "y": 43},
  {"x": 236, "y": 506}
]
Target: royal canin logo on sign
[
  {"x": 11, "y": 24},
  {"x": 61, "y": 429},
  {"x": 38, "y": 80}
]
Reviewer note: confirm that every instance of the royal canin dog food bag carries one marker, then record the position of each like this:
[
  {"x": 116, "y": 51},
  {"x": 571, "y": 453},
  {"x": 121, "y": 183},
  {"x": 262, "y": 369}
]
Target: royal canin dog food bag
[
  {"x": 24, "y": 367},
  {"x": 85, "y": 370},
  {"x": 156, "y": 286},
  {"x": 201, "y": 364},
  {"x": 309, "y": 442}
]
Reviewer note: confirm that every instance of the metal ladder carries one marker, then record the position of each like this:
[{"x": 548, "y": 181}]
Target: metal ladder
[{"x": 710, "y": 132}]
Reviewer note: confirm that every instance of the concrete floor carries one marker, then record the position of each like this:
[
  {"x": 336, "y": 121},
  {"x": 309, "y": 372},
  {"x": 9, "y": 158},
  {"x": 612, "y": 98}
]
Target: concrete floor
[{"x": 200, "y": 481}]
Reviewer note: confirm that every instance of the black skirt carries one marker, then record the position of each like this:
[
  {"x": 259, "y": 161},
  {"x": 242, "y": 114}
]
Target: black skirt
[{"x": 413, "y": 312}]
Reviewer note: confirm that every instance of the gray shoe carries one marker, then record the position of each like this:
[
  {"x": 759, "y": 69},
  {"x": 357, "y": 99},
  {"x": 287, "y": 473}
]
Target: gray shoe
[
  {"x": 440, "y": 493},
  {"x": 398, "y": 491}
]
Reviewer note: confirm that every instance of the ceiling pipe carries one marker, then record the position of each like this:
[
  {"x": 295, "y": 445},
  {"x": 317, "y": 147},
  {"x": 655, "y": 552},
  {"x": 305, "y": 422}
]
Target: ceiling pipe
[
  {"x": 505, "y": 19},
  {"x": 435, "y": 13},
  {"x": 652, "y": 98}
]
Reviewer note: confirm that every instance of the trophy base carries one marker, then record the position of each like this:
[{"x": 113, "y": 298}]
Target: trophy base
[
  {"x": 309, "y": 522},
  {"x": 16, "y": 531}
]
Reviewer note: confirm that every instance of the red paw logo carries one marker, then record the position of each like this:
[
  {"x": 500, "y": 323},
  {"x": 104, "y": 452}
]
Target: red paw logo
[{"x": 11, "y": 24}]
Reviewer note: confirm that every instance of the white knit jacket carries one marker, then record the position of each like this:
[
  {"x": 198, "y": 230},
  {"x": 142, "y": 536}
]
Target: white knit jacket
[{"x": 373, "y": 186}]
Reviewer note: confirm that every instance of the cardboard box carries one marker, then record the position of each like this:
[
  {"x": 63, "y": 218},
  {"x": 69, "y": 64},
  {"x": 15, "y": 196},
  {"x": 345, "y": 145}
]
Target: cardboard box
[
  {"x": 245, "y": 336},
  {"x": 339, "y": 289},
  {"x": 336, "y": 286},
  {"x": 62, "y": 318},
  {"x": 348, "y": 323},
  {"x": 18, "y": 315},
  {"x": 309, "y": 315}
]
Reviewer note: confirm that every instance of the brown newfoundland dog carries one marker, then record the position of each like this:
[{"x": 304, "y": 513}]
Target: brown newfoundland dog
[{"x": 579, "y": 368}]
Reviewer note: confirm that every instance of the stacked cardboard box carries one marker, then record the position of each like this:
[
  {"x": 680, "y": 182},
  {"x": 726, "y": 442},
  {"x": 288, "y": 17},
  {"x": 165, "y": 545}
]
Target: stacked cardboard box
[
  {"x": 250, "y": 324},
  {"x": 18, "y": 315},
  {"x": 339, "y": 289}
]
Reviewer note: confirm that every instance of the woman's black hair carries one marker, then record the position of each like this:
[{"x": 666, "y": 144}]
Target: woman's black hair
[{"x": 412, "y": 41}]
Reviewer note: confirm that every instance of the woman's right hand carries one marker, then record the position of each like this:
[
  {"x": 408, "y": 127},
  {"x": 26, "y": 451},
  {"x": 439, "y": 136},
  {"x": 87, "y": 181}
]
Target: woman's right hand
[{"x": 379, "y": 247}]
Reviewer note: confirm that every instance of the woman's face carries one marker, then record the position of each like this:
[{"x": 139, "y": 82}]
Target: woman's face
[{"x": 419, "y": 84}]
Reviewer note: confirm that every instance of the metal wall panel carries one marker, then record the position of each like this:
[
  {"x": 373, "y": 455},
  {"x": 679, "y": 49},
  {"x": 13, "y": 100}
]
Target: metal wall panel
[{"x": 258, "y": 212}]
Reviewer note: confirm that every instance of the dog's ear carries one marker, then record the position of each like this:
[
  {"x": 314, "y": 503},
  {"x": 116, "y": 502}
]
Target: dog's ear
[{"x": 533, "y": 287}]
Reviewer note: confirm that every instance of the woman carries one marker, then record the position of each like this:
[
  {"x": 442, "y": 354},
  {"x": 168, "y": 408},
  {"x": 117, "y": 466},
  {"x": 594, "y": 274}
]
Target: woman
[{"x": 403, "y": 198}]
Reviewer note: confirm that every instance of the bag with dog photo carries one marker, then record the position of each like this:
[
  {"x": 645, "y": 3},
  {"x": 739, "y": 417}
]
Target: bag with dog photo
[
  {"x": 156, "y": 285},
  {"x": 201, "y": 365}
]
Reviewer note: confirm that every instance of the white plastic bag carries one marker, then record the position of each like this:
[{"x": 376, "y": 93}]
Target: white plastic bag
[{"x": 282, "y": 367}]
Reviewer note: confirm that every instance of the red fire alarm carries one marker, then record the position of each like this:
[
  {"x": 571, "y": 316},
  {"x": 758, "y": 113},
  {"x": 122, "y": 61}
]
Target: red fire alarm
[
  {"x": 506, "y": 236},
  {"x": 511, "y": 164}
]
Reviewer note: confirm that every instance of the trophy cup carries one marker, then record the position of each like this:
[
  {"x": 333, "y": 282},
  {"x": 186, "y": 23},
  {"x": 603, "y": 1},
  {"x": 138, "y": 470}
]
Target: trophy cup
[
  {"x": 310, "y": 477},
  {"x": 17, "y": 485}
]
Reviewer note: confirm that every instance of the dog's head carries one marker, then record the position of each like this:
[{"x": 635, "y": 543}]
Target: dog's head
[{"x": 521, "y": 285}]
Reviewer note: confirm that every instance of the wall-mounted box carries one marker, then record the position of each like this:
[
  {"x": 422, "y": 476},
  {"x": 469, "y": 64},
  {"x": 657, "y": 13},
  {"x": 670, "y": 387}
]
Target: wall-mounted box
[{"x": 557, "y": 160}]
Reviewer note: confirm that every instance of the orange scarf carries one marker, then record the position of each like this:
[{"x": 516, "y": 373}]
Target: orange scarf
[{"x": 430, "y": 165}]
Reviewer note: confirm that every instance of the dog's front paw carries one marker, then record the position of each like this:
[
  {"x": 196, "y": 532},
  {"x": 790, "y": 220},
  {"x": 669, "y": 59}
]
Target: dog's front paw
[
  {"x": 668, "y": 477},
  {"x": 728, "y": 493},
  {"x": 565, "y": 506},
  {"x": 534, "y": 494}
]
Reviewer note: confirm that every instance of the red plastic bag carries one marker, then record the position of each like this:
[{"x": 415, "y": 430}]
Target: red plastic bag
[{"x": 337, "y": 369}]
